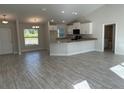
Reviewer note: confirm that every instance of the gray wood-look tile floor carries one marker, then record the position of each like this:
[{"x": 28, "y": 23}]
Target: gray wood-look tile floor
[{"x": 39, "y": 70}]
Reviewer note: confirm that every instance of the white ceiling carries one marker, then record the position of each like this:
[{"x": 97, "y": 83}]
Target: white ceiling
[{"x": 27, "y": 12}]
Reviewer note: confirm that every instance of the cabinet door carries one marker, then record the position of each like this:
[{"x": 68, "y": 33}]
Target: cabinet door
[
  {"x": 50, "y": 27},
  {"x": 70, "y": 29},
  {"x": 76, "y": 25},
  {"x": 53, "y": 27},
  {"x": 82, "y": 30},
  {"x": 90, "y": 28},
  {"x": 86, "y": 28}
]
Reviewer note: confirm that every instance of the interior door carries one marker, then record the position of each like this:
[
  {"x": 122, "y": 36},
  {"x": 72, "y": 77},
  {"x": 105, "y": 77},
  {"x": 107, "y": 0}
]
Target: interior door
[{"x": 5, "y": 41}]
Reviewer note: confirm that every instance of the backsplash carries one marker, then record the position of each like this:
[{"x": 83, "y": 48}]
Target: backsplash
[
  {"x": 54, "y": 36},
  {"x": 82, "y": 35}
]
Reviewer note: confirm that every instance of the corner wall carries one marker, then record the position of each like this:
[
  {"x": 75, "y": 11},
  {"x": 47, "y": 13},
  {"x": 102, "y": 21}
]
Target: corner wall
[
  {"x": 109, "y": 14},
  {"x": 42, "y": 38}
]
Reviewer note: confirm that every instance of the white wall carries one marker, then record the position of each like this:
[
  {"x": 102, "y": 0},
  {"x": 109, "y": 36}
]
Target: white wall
[
  {"x": 42, "y": 37},
  {"x": 109, "y": 14},
  {"x": 47, "y": 35},
  {"x": 12, "y": 26}
]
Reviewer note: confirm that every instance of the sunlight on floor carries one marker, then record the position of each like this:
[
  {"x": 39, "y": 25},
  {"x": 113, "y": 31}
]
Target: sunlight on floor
[
  {"x": 119, "y": 70},
  {"x": 82, "y": 85}
]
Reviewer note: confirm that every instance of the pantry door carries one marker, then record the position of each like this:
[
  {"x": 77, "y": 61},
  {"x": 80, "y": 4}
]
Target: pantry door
[{"x": 5, "y": 41}]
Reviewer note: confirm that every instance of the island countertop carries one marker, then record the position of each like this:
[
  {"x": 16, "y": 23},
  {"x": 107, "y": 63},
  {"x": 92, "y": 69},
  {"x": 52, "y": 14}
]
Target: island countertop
[
  {"x": 67, "y": 47},
  {"x": 71, "y": 41}
]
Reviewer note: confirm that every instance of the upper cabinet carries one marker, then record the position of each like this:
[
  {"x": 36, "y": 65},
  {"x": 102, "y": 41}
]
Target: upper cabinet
[
  {"x": 53, "y": 27},
  {"x": 76, "y": 25},
  {"x": 70, "y": 29},
  {"x": 86, "y": 28}
]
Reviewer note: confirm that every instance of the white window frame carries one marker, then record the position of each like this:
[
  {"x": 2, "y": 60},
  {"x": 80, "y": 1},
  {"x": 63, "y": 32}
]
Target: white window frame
[{"x": 31, "y": 37}]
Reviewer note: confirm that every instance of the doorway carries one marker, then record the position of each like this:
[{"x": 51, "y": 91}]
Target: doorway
[
  {"x": 5, "y": 41},
  {"x": 109, "y": 38}
]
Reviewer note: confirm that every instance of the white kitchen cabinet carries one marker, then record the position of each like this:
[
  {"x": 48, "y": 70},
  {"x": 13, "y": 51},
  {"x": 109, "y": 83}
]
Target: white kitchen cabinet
[
  {"x": 71, "y": 48},
  {"x": 86, "y": 28},
  {"x": 70, "y": 29},
  {"x": 76, "y": 25},
  {"x": 53, "y": 27}
]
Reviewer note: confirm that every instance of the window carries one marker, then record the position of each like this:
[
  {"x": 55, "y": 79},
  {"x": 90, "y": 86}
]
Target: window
[{"x": 31, "y": 37}]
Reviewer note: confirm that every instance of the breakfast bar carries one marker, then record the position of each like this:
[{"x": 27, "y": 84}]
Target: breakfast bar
[{"x": 72, "y": 47}]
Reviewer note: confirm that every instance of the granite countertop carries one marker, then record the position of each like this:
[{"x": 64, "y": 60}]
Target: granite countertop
[{"x": 70, "y": 41}]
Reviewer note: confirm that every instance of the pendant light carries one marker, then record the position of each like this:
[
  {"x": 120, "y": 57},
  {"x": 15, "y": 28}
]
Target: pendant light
[
  {"x": 35, "y": 26},
  {"x": 4, "y": 21}
]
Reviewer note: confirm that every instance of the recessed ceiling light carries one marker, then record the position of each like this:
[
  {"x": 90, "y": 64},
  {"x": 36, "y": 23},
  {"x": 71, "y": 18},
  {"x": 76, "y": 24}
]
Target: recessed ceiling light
[
  {"x": 62, "y": 12},
  {"x": 52, "y": 20},
  {"x": 44, "y": 9},
  {"x": 75, "y": 13},
  {"x": 63, "y": 21}
]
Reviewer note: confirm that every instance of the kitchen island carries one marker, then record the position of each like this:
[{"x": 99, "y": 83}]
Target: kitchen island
[{"x": 69, "y": 47}]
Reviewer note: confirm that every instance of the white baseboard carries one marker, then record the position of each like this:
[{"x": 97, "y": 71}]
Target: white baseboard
[
  {"x": 75, "y": 53},
  {"x": 28, "y": 50},
  {"x": 119, "y": 53}
]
